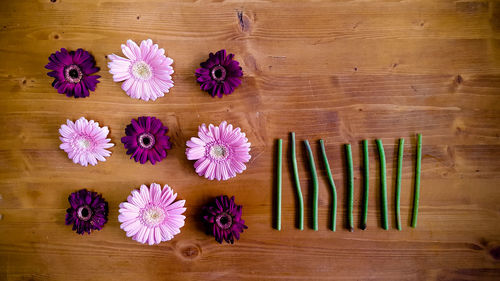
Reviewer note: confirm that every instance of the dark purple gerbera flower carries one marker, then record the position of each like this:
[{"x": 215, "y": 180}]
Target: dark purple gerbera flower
[
  {"x": 220, "y": 74},
  {"x": 223, "y": 218},
  {"x": 88, "y": 211},
  {"x": 72, "y": 72},
  {"x": 146, "y": 140}
]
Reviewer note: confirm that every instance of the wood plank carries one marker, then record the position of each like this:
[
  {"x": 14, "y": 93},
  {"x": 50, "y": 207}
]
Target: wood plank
[{"x": 342, "y": 71}]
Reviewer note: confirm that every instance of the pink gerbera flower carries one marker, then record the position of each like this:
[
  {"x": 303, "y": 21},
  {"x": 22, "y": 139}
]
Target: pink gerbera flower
[
  {"x": 84, "y": 141},
  {"x": 146, "y": 70},
  {"x": 151, "y": 215},
  {"x": 220, "y": 151}
]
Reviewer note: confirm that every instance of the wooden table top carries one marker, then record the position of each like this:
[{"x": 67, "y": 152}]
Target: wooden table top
[{"x": 342, "y": 71}]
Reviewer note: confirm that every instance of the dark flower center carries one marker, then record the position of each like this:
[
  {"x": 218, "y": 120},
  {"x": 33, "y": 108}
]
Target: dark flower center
[
  {"x": 224, "y": 220},
  {"x": 218, "y": 73},
  {"x": 146, "y": 140},
  {"x": 73, "y": 73},
  {"x": 84, "y": 213}
]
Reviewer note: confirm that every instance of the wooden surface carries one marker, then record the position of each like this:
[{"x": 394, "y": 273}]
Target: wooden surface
[{"x": 338, "y": 70}]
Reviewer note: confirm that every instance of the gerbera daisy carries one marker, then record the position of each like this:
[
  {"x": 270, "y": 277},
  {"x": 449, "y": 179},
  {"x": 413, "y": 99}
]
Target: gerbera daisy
[
  {"x": 220, "y": 151},
  {"x": 72, "y": 72},
  {"x": 151, "y": 215},
  {"x": 220, "y": 74},
  {"x": 146, "y": 140},
  {"x": 88, "y": 211},
  {"x": 223, "y": 218},
  {"x": 146, "y": 70},
  {"x": 84, "y": 141}
]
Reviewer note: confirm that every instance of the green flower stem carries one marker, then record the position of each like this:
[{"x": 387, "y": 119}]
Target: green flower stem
[
  {"x": 332, "y": 187},
  {"x": 314, "y": 176},
  {"x": 416, "y": 196},
  {"x": 398, "y": 182},
  {"x": 383, "y": 185},
  {"x": 297, "y": 183},
  {"x": 366, "y": 191},
  {"x": 278, "y": 186},
  {"x": 350, "y": 185}
]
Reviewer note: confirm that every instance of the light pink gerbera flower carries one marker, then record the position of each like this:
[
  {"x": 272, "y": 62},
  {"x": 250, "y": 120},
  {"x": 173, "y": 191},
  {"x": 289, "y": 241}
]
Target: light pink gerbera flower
[
  {"x": 220, "y": 151},
  {"x": 84, "y": 141},
  {"x": 146, "y": 70},
  {"x": 151, "y": 215}
]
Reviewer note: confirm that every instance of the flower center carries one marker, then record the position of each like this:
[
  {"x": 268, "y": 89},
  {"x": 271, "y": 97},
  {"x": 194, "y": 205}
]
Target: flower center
[
  {"x": 83, "y": 143},
  {"x": 84, "y": 213},
  {"x": 218, "y": 151},
  {"x": 146, "y": 140},
  {"x": 142, "y": 70},
  {"x": 153, "y": 216},
  {"x": 218, "y": 73},
  {"x": 224, "y": 220},
  {"x": 73, "y": 73}
]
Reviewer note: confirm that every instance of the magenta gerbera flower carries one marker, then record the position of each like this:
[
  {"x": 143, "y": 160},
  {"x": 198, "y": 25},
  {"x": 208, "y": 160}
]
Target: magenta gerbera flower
[
  {"x": 151, "y": 215},
  {"x": 146, "y": 140},
  {"x": 220, "y": 74},
  {"x": 84, "y": 141},
  {"x": 146, "y": 70},
  {"x": 220, "y": 151},
  {"x": 223, "y": 218},
  {"x": 72, "y": 72},
  {"x": 88, "y": 211}
]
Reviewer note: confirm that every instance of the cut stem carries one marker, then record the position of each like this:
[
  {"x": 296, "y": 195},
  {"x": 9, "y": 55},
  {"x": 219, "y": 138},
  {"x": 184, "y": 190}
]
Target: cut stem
[
  {"x": 416, "y": 196},
  {"x": 383, "y": 185},
  {"x": 332, "y": 187},
  {"x": 350, "y": 187},
  {"x": 366, "y": 191},
  {"x": 297, "y": 183},
  {"x": 398, "y": 182},
  {"x": 278, "y": 186},
  {"x": 314, "y": 176}
]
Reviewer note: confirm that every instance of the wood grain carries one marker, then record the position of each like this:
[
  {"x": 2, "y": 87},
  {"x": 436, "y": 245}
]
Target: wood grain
[{"x": 338, "y": 70}]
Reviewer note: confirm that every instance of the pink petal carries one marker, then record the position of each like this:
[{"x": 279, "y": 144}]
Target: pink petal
[
  {"x": 175, "y": 205},
  {"x": 144, "y": 192}
]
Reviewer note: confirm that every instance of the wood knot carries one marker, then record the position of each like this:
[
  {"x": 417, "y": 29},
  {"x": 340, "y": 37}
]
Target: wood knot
[
  {"x": 138, "y": 17},
  {"x": 459, "y": 79},
  {"x": 495, "y": 252},
  {"x": 53, "y": 1},
  {"x": 56, "y": 36},
  {"x": 244, "y": 21},
  {"x": 190, "y": 252}
]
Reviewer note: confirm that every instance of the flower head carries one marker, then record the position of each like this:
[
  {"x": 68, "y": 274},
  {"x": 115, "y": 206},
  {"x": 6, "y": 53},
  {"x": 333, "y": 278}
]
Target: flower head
[
  {"x": 220, "y": 74},
  {"x": 220, "y": 151},
  {"x": 72, "y": 72},
  {"x": 146, "y": 70},
  {"x": 223, "y": 218},
  {"x": 146, "y": 140},
  {"x": 84, "y": 141},
  {"x": 88, "y": 211},
  {"x": 151, "y": 215}
]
